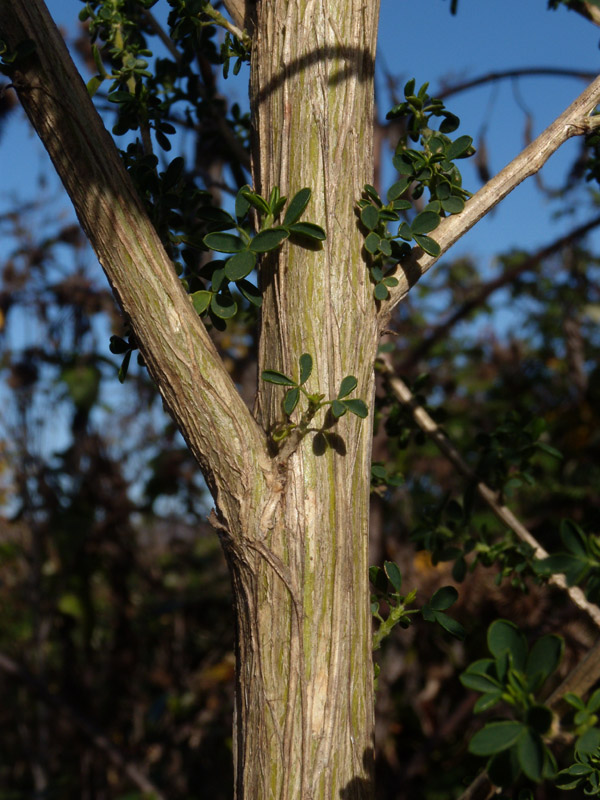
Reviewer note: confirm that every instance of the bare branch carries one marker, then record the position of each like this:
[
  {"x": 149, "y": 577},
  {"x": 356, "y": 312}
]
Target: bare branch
[
  {"x": 575, "y": 121},
  {"x": 238, "y": 11},
  {"x": 504, "y": 514},
  {"x": 98, "y": 739},
  {"x": 182, "y": 359},
  {"x": 522, "y": 72},
  {"x": 481, "y": 293}
]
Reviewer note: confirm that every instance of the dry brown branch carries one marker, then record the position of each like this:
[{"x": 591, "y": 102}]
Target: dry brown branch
[
  {"x": 504, "y": 514},
  {"x": 575, "y": 121},
  {"x": 523, "y": 72},
  {"x": 481, "y": 293}
]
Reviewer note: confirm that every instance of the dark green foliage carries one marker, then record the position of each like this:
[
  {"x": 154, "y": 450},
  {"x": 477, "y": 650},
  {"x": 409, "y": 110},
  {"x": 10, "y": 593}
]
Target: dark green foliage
[
  {"x": 432, "y": 168},
  {"x": 513, "y": 676},
  {"x": 387, "y": 585},
  {"x": 339, "y": 406},
  {"x": 579, "y": 562}
]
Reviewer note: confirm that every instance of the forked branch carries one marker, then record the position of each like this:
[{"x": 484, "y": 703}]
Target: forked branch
[{"x": 181, "y": 358}]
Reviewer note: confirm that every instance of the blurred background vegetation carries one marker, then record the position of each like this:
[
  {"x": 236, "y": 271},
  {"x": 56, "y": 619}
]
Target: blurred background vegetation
[{"x": 116, "y": 628}]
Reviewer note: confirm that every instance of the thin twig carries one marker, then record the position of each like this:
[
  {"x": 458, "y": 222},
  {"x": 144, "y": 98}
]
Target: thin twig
[
  {"x": 523, "y": 72},
  {"x": 504, "y": 514},
  {"x": 220, "y": 20},
  {"x": 481, "y": 294},
  {"x": 575, "y": 121},
  {"x": 98, "y": 739}
]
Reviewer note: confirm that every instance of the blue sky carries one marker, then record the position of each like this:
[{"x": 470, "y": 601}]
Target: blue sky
[{"x": 421, "y": 39}]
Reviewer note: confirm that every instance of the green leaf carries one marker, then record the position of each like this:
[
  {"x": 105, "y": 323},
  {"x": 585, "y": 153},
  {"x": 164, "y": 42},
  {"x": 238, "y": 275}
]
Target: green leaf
[
  {"x": 448, "y": 624},
  {"x": 394, "y": 575},
  {"x": 223, "y": 305},
  {"x": 574, "y": 539},
  {"x": 94, "y": 84},
  {"x": 480, "y": 683},
  {"x": 495, "y": 737},
  {"x": 347, "y": 385},
  {"x": 224, "y": 242},
  {"x": 268, "y": 240},
  {"x": 256, "y": 200},
  {"x": 372, "y": 192},
  {"x": 450, "y": 123},
  {"x": 385, "y": 247},
  {"x": 453, "y": 205},
  {"x": 306, "y": 364},
  {"x": 589, "y": 743},
  {"x": 428, "y": 244},
  {"x": 443, "y": 598},
  {"x": 396, "y": 189},
  {"x": 250, "y": 292},
  {"x": 201, "y": 300},
  {"x": 173, "y": 172},
  {"x": 504, "y": 636},
  {"x": 118, "y": 345},
  {"x": 290, "y": 401},
  {"x": 390, "y": 281},
  {"x": 372, "y": 243},
  {"x": 297, "y": 206},
  {"x": 530, "y": 752},
  {"x": 309, "y": 230},
  {"x": 369, "y": 217},
  {"x": 272, "y": 376},
  {"x": 338, "y": 409},
  {"x": 459, "y": 148},
  {"x": 240, "y": 265},
  {"x": 544, "y": 657},
  {"x": 425, "y": 222},
  {"x": 356, "y": 407},
  {"x": 380, "y": 292},
  {"x": 242, "y": 204},
  {"x": 122, "y": 374},
  {"x": 487, "y": 701}
]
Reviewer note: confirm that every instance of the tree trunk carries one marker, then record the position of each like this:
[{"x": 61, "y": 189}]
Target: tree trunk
[
  {"x": 305, "y": 683},
  {"x": 294, "y": 524}
]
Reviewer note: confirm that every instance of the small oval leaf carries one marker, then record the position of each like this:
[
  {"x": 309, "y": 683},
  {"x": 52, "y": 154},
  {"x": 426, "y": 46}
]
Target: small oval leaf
[
  {"x": 297, "y": 206},
  {"x": 369, "y": 217},
  {"x": 495, "y": 737},
  {"x": 309, "y": 230},
  {"x": 268, "y": 240},
  {"x": 306, "y": 364},
  {"x": 201, "y": 300},
  {"x": 223, "y": 242},
  {"x": 273, "y": 376},
  {"x": 347, "y": 385},
  {"x": 240, "y": 265},
  {"x": 290, "y": 400},
  {"x": 429, "y": 245}
]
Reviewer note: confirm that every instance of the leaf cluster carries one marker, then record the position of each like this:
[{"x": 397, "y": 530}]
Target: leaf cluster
[
  {"x": 339, "y": 406},
  {"x": 513, "y": 676},
  {"x": 430, "y": 167},
  {"x": 579, "y": 562},
  {"x": 244, "y": 246},
  {"x": 387, "y": 586}
]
